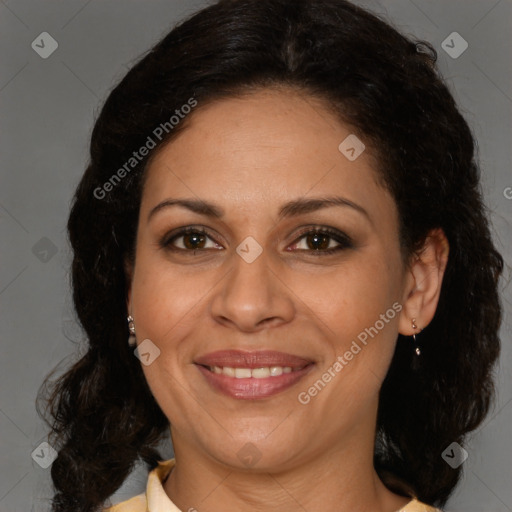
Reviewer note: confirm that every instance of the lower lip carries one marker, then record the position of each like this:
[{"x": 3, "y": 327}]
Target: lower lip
[{"x": 252, "y": 389}]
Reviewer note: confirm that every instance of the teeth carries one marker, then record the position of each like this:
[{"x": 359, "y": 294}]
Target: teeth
[
  {"x": 230, "y": 372},
  {"x": 275, "y": 371},
  {"x": 260, "y": 373},
  {"x": 243, "y": 373},
  {"x": 255, "y": 373}
]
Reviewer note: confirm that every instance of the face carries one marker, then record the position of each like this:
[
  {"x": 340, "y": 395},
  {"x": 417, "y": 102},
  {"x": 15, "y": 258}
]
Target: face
[{"x": 273, "y": 319}]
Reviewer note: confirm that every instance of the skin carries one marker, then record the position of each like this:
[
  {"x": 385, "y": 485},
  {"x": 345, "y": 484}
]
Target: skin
[{"x": 249, "y": 156}]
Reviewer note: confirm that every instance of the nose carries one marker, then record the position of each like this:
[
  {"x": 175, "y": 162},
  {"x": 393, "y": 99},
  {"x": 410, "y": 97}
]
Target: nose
[{"x": 252, "y": 296}]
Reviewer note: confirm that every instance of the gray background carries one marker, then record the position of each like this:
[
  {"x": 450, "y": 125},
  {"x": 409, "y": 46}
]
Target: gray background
[{"x": 47, "y": 108}]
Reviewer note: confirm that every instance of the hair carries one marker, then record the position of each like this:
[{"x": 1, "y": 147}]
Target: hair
[{"x": 386, "y": 86}]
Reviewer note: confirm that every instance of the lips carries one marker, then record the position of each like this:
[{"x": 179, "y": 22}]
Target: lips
[
  {"x": 252, "y": 375},
  {"x": 260, "y": 359}
]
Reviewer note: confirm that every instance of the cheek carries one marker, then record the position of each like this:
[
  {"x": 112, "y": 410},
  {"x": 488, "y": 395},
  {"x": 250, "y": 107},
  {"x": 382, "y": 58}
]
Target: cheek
[
  {"x": 165, "y": 300},
  {"x": 350, "y": 298},
  {"x": 166, "y": 309},
  {"x": 356, "y": 309}
]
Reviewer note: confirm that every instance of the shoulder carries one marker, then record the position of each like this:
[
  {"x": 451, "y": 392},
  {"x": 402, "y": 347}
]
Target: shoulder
[
  {"x": 136, "y": 504},
  {"x": 154, "y": 498},
  {"x": 417, "y": 506}
]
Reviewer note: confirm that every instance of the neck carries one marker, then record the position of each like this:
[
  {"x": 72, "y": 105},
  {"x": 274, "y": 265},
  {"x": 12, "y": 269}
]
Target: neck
[{"x": 340, "y": 479}]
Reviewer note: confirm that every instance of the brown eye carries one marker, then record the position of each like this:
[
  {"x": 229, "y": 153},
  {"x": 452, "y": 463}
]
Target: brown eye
[
  {"x": 318, "y": 241},
  {"x": 322, "y": 241},
  {"x": 194, "y": 240},
  {"x": 189, "y": 239}
]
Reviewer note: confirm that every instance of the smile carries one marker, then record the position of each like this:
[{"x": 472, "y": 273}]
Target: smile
[
  {"x": 252, "y": 375},
  {"x": 255, "y": 373}
]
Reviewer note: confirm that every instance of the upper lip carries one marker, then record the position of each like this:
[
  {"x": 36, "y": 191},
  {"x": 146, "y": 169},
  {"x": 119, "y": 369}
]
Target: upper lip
[{"x": 257, "y": 359}]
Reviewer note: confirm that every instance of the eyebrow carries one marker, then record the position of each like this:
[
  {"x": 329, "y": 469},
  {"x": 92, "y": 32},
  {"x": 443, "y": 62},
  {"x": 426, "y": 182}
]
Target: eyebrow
[{"x": 289, "y": 209}]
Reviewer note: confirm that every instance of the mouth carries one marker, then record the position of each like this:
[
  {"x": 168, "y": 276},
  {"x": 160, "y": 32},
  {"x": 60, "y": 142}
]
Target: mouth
[{"x": 252, "y": 375}]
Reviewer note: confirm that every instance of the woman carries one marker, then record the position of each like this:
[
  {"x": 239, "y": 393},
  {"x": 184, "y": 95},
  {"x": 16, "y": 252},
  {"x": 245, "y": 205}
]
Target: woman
[{"x": 282, "y": 255}]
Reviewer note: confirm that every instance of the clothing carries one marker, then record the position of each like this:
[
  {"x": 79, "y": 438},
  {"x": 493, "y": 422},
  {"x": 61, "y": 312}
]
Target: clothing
[{"x": 156, "y": 500}]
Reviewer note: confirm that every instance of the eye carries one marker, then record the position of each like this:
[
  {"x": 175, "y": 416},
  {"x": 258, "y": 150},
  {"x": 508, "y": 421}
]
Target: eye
[
  {"x": 323, "y": 241},
  {"x": 317, "y": 241},
  {"x": 189, "y": 239}
]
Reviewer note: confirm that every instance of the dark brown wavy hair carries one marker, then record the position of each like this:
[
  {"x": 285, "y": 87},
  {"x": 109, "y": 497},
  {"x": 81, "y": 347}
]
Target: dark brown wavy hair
[{"x": 102, "y": 414}]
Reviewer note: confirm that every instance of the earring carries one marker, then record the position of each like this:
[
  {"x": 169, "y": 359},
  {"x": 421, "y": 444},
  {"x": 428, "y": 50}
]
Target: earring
[
  {"x": 132, "y": 341},
  {"x": 414, "y": 326}
]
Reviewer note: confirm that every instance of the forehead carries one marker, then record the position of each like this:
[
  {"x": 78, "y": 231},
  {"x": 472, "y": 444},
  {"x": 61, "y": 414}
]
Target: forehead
[{"x": 262, "y": 148}]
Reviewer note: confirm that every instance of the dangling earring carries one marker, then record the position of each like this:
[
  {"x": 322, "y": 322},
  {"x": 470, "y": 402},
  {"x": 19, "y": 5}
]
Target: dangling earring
[
  {"x": 414, "y": 326},
  {"x": 132, "y": 341}
]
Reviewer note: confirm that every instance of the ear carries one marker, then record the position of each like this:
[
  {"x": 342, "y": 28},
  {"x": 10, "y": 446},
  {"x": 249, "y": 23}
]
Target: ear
[{"x": 423, "y": 283}]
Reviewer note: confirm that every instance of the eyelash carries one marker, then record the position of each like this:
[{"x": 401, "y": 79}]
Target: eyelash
[{"x": 339, "y": 237}]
